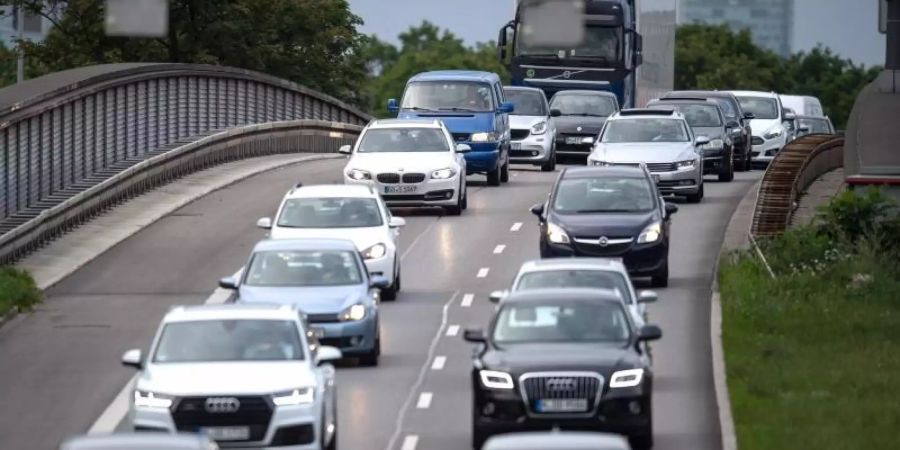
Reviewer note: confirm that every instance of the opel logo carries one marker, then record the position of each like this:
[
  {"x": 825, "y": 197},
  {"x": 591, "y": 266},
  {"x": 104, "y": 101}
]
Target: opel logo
[
  {"x": 603, "y": 241},
  {"x": 567, "y": 74},
  {"x": 529, "y": 73},
  {"x": 222, "y": 405},
  {"x": 561, "y": 385}
]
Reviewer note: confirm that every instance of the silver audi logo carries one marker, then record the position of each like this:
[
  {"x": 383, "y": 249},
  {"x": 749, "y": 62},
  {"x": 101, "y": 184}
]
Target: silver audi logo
[
  {"x": 603, "y": 241},
  {"x": 220, "y": 405},
  {"x": 561, "y": 385}
]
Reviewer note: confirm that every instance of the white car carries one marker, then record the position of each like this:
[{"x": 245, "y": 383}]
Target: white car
[
  {"x": 246, "y": 376},
  {"x": 341, "y": 211},
  {"x": 410, "y": 163},
  {"x": 532, "y": 128},
  {"x": 770, "y": 131}
]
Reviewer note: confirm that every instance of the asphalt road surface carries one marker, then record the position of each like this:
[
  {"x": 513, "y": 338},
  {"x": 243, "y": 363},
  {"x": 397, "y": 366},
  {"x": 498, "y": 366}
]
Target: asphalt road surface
[{"x": 60, "y": 366}]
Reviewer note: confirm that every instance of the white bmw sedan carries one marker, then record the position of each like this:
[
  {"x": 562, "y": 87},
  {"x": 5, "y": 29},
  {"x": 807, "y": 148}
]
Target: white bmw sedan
[{"x": 410, "y": 163}]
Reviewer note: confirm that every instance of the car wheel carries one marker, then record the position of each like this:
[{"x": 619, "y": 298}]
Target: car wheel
[
  {"x": 478, "y": 436},
  {"x": 334, "y": 436},
  {"x": 389, "y": 294},
  {"x": 550, "y": 165},
  {"x": 493, "y": 177},
  {"x": 456, "y": 209},
  {"x": 465, "y": 200},
  {"x": 642, "y": 441},
  {"x": 726, "y": 174},
  {"x": 695, "y": 198},
  {"x": 661, "y": 278},
  {"x": 371, "y": 359},
  {"x": 504, "y": 172}
]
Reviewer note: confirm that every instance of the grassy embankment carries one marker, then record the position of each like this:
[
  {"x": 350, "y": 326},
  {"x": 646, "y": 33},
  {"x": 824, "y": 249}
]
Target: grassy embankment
[{"x": 17, "y": 290}]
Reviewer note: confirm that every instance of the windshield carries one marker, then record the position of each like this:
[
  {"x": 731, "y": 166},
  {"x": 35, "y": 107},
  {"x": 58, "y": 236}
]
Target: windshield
[
  {"x": 816, "y": 126},
  {"x": 728, "y": 109},
  {"x": 602, "y": 43},
  {"x": 297, "y": 268},
  {"x": 330, "y": 213},
  {"x": 644, "y": 130},
  {"x": 583, "y": 105},
  {"x": 762, "y": 108},
  {"x": 609, "y": 195},
  {"x": 403, "y": 140},
  {"x": 697, "y": 116},
  {"x": 598, "y": 279},
  {"x": 565, "y": 322},
  {"x": 229, "y": 340},
  {"x": 448, "y": 96},
  {"x": 527, "y": 103}
]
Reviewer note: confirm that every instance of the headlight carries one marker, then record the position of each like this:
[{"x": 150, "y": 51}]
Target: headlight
[
  {"x": 493, "y": 379},
  {"x": 353, "y": 313},
  {"x": 556, "y": 234},
  {"x": 302, "y": 396},
  {"x": 483, "y": 137},
  {"x": 145, "y": 399},
  {"x": 774, "y": 133},
  {"x": 539, "y": 128},
  {"x": 357, "y": 174},
  {"x": 715, "y": 144},
  {"x": 685, "y": 165},
  {"x": 374, "y": 252},
  {"x": 595, "y": 162},
  {"x": 443, "y": 174},
  {"x": 626, "y": 378},
  {"x": 650, "y": 234}
]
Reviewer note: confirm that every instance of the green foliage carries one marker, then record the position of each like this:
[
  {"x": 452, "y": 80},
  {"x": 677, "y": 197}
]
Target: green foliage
[
  {"x": 7, "y": 66},
  {"x": 855, "y": 215},
  {"x": 17, "y": 290}
]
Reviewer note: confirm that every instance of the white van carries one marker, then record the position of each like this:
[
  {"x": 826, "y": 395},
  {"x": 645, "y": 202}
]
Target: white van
[{"x": 803, "y": 105}]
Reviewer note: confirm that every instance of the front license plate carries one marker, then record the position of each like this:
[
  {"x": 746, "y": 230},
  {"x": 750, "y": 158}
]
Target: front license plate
[
  {"x": 399, "y": 189},
  {"x": 573, "y": 140},
  {"x": 227, "y": 433},
  {"x": 562, "y": 405},
  {"x": 318, "y": 332},
  {"x": 516, "y": 146}
]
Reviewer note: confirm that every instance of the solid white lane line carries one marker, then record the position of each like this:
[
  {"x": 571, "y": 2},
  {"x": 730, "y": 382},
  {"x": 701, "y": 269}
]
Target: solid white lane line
[
  {"x": 401, "y": 415},
  {"x": 483, "y": 272},
  {"x": 410, "y": 442},
  {"x": 467, "y": 300},
  {"x": 424, "y": 400},
  {"x": 417, "y": 239},
  {"x": 516, "y": 226},
  {"x": 452, "y": 330},
  {"x": 439, "y": 362},
  {"x": 499, "y": 249}
]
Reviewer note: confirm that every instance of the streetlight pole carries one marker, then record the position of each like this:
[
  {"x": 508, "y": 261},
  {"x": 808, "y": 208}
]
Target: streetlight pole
[
  {"x": 892, "y": 59},
  {"x": 20, "y": 31}
]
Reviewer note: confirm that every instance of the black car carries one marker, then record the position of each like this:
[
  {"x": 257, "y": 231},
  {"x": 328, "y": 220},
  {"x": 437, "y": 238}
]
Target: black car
[
  {"x": 738, "y": 122},
  {"x": 562, "y": 358},
  {"x": 579, "y": 117},
  {"x": 706, "y": 119},
  {"x": 612, "y": 211}
]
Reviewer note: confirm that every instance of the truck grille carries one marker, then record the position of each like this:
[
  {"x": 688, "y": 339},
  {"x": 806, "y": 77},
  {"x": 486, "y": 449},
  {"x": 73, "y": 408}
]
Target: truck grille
[
  {"x": 518, "y": 135},
  {"x": 190, "y": 414},
  {"x": 561, "y": 386}
]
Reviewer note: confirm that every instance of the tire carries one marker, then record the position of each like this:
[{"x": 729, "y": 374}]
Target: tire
[
  {"x": 493, "y": 177},
  {"x": 550, "y": 165},
  {"x": 454, "y": 210},
  {"x": 333, "y": 444},
  {"x": 465, "y": 200},
  {"x": 390, "y": 294},
  {"x": 504, "y": 172},
  {"x": 727, "y": 175},
  {"x": 478, "y": 436},
  {"x": 661, "y": 279},
  {"x": 749, "y": 160},
  {"x": 371, "y": 359},
  {"x": 695, "y": 198},
  {"x": 641, "y": 442}
]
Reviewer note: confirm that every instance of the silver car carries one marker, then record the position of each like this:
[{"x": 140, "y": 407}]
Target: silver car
[
  {"x": 663, "y": 141},
  {"x": 532, "y": 128},
  {"x": 245, "y": 376}
]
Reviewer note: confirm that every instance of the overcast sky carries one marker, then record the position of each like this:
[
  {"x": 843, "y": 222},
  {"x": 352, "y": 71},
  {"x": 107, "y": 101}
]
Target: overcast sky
[{"x": 849, "y": 27}]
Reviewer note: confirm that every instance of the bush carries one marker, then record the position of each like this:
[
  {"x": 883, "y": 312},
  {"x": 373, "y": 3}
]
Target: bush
[
  {"x": 17, "y": 290},
  {"x": 854, "y": 215}
]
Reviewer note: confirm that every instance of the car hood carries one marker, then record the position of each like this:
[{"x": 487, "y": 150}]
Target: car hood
[
  {"x": 761, "y": 126},
  {"x": 362, "y": 237},
  {"x": 225, "y": 378},
  {"x": 710, "y": 132},
  {"x": 311, "y": 300},
  {"x": 570, "y": 124},
  {"x": 456, "y": 122},
  {"x": 612, "y": 225},
  {"x": 525, "y": 122},
  {"x": 402, "y": 162},
  {"x": 520, "y": 358},
  {"x": 647, "y": 152}
]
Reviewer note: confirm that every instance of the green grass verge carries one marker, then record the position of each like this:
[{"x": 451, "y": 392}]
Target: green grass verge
[
  {"x": 813, "y": 359},
  {"x": 17, "y": 290}
]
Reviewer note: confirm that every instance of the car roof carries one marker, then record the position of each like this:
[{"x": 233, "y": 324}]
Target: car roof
[
  {"x": 585, "y": 92},
  {"x": 557, "y": 441},
  {"x": 522, "y": 88},
  {"x": 138, "y": 441},
  {"x": 608, "y": 264},
  {"x": 303, "y": 244},
  {"x": 687, "y": 101},
  {"x": 760, "y": 94},
  {"x": 695, "y": 94},
  {"x": 605, "y": 172},
  {"x": 808, "y": 117},
  {"x": 332, "y": 191},
  {"x": 564, "y": 294},
  {"x": 234, "y": 311},
  {"x": 647, "y": 113},
  {"x": 405, "y": 123},
  {"x": 456, "y": 75}
]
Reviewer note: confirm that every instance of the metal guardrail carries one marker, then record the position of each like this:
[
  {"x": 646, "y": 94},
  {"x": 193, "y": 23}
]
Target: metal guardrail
[
  {"x": 792, "y": 171},
  {"x": 301, "y": 136},
  {"x": 64, "y": 133}
]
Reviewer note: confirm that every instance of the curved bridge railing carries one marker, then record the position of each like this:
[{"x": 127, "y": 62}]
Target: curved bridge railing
[{"x": 69, "y": 131}]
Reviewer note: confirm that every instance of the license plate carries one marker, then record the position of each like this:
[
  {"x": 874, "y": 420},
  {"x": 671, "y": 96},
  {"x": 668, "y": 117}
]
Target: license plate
[
  {"x": 573, "y": 140},
  {"x": 399, "y": 189},
  {"x": 562, "y": 405},
  {"x": 227, "y": 433},
  {"x": 318, "y": 332},
  {"x": 516, "y": 146}
]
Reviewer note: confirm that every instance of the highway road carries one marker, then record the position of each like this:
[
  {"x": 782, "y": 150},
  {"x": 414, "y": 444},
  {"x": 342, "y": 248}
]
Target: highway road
[{"x": 60, "y": 366}]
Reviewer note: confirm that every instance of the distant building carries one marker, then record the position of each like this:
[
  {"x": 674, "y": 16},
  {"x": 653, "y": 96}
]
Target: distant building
[
  {"x": 771, "y": 22},
  {"x": 36, "y": 27}
]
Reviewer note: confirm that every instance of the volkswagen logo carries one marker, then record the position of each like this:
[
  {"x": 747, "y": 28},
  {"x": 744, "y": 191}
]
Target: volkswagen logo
[
  {"x": 579, "y": 129},
  {"x": 603, "y": 241},
  {"x": 561, "y": 385},
  {"x": 222, "y": 405}
]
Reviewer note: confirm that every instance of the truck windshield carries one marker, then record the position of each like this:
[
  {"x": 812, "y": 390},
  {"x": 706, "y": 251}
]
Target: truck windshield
[
  {"x": 601, "y": 43},
  {"x": 448, "y": 96},
  {"x": 644, "y": 130}
]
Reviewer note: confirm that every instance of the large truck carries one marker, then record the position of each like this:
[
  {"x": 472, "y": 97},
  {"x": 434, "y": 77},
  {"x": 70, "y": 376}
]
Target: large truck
[{"x": 628, "y": 49}]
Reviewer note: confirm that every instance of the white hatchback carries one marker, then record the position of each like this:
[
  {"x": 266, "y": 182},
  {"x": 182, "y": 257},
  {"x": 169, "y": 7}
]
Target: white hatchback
[
  {"x": 410, "y": 163},
  {"x": 340, "y": 211}
]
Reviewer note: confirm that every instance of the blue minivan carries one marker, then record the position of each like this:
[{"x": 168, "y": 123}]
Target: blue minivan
[{"x": 473, "y": 107}]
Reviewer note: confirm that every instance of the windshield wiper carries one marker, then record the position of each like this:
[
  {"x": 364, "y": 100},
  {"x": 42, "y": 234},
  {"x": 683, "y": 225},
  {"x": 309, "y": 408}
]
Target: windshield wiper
[
  {"x": 419, "y": 108},
  {"x": 593, "y": 211},
  {"x": 455, "y": 109},
  {"x": 586, "y": 115}
]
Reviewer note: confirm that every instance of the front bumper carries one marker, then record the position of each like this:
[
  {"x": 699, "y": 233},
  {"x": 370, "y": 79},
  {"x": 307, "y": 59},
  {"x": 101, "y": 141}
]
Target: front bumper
[
  {"x": 430, "y": 192},
  {"x": 682, "y": 182},
  {"x": 714, "y": 160},
  {"x": 383, "y": 266},
  {"x": 766, "y": 151},
  {"x": 639, "y": 259},
  {"x": 352, "y": 338},
  {"x": 484, "y": 157},
  {"x": 534, "y": 149},
  {"x": 564, "y": 147}
]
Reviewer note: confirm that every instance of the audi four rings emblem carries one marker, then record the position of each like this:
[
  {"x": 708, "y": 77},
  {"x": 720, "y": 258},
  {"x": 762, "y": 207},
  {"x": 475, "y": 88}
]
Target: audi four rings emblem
[
  {"x": 603, "y": 241},
  {"x": 220, "y": 405},
  {"x": 560, "y": 385}
]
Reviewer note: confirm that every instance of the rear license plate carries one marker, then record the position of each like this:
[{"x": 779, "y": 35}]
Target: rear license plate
[
  {"x": 227, "y": 433},
  {"x": 516, "y": 146},
  {"x": 399, "y": 189},
  {"x": 562, "y": 405},
  {"x": 573, "y": 140}
]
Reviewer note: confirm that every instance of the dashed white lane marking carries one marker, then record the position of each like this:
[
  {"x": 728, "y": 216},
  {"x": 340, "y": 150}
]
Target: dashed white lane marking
[
  {"x": 516, "y": 226},
  {"x": 439, "y": 363},
  {"x": 467, "y": 300},
  {"x": 499, "y": 249},
  {"x": 452, "y": 330},
  {"x": 410, "y": 442},
  {"x": 424, "y": 400},
  {"x": 483, "y": 272}
]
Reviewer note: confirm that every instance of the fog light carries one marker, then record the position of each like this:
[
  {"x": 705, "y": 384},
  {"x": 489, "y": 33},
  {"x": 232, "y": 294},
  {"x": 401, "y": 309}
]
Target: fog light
[
  {"x": 488, "y": 409},
  {"x": 448, "y": 195},
  {"x": 535, "y": 153},
  {"x": 355, "y": 340},
  {"x": 634, "y": 407}
]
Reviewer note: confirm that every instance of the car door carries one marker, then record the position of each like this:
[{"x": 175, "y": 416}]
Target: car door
[{"x": 501, "y": 120}]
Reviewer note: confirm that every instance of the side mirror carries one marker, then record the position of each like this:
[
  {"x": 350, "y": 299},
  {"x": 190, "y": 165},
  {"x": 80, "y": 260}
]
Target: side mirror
[
  {"x": 397, "y": 222},
  {"x": 474, "y": 335},
  {"x": 804, "y": 128},
  {"x": 506, "y": 108},
  {"x": 345, "y": 149},
  {"x": 463, "y": 148},
  {"x": 749, "y": 116},
  {"x": 133, "y": 358},
  {"x": 671, "y": 209},
  {"x": 701, "y": 140},
  {"x": 392, "y": 106},
  {"x": 265, "y": 223},
  {"x": 733, "y": 124},
  {"x": 379, "y": 281},
  {"x": 790, "y": 116},
  {"x": 647, "y": 297},
  {"x": 228, "y": 283},
  {"x": 650, "y": 333},
  {"x": 496, "y": 296},
  {"x": 538, "y": 209},
  {"x": 327, "y": 353},
  {"x": 555, "y": 112}
]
